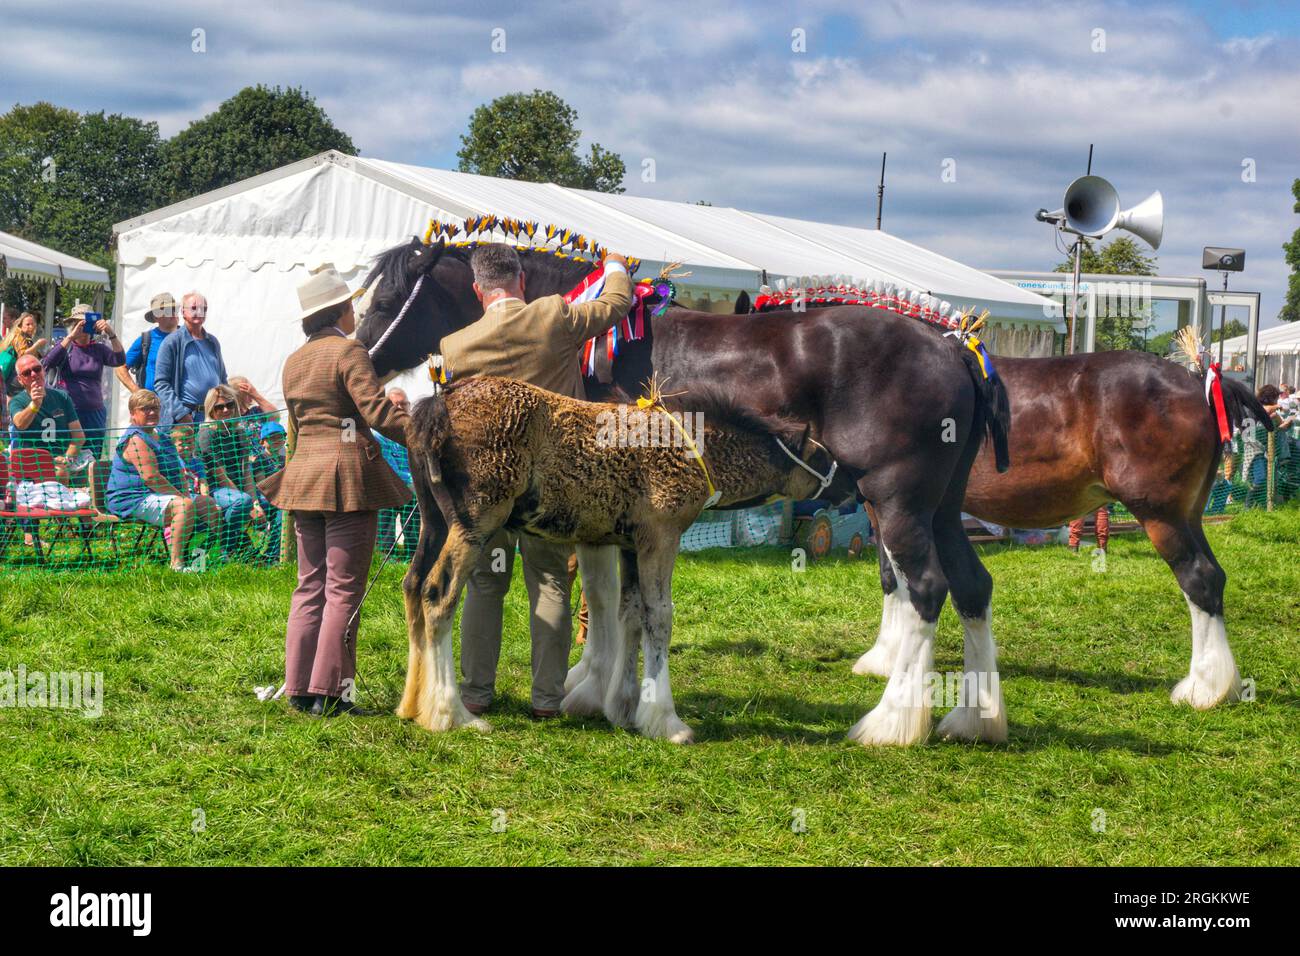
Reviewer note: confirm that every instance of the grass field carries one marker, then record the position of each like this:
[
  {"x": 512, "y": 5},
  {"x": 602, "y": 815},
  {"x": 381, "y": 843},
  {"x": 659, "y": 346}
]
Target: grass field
[{"x": 186, "y": 766}]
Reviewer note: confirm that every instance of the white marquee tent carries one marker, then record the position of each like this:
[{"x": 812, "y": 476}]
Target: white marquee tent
[
  {"x": 247, "y": 247},
  {"x": 22, "y": 259},
  {"x": 1277, "y": 354}
]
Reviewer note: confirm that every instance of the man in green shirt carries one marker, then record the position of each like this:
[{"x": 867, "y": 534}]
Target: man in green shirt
[{"x": 43, "y": 417}]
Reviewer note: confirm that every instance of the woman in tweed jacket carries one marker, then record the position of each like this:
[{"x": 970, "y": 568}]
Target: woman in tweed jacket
[{"x": 335, "y": 483}]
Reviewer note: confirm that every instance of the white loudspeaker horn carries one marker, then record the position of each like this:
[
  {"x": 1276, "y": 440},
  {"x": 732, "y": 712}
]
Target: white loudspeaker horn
[
  {"x": 1146, "y": 220},
  {"x": 1091, "y": 206}
]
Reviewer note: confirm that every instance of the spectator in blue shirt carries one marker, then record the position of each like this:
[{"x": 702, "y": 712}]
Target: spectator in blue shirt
[
  {"x": 142, "y": 356},
  {"x": 189, "y": 364}
]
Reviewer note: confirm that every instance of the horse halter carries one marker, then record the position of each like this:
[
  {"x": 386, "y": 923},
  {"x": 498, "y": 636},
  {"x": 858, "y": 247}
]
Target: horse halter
[
  {"x": 400, "y": 315},
  {"x": 826, "y": 479}
]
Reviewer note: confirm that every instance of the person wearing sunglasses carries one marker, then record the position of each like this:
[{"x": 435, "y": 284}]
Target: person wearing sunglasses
[
  {"x": 44, "y": 417},
  {"x": 225, "y": 447}
]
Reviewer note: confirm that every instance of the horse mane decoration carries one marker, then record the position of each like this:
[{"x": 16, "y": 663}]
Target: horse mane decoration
[
  {"x": 562, "y": 243},
  {"x": 1190, "y": 344},
  {"x": 828, "y": 290},
  {"x": 524, "y": 235}
]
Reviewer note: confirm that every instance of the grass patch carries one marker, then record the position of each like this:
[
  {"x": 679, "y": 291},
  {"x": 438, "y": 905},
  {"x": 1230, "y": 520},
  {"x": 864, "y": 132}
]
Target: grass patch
[{"x": 760, "y": 663}]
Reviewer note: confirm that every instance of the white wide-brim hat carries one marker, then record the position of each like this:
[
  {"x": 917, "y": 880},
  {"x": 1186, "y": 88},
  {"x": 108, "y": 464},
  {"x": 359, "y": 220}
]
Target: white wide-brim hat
[{"x": 325, "y": 288}]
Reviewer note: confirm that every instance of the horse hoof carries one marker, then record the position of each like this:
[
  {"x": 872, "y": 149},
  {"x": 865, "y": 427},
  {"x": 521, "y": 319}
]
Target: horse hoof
[
  {"x": 583, "y": 699},
  {"x": 577, "y": 673},
  {"x": 969, "y": 723},
  {"x": 683, "y": 736},
  {"x": 662, "y": 725},
  {"x": 1203, "y": 694},
  {"x": 892, "y": 727},
  {"x": 450, "y": 718},
  {"x": 876, "y": 662}
]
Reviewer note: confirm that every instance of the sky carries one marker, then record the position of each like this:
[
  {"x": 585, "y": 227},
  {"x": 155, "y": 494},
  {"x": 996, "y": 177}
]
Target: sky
[{"x": 986, "y": 109}]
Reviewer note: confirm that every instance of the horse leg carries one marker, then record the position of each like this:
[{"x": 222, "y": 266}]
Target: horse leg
[
  {"x": 623, "y": 693},
  {"x": 903, "y": 715},
  {"x": 656, "y": 716},
  {"x": 879, "y": 660},
  {"x": 980, "y": 713},
  {"x": 438, "y": 699},
  {"x": 433, "y": 534},
  {"x": 587, "y": 680},
  {"x": 1212, "y": 677}
]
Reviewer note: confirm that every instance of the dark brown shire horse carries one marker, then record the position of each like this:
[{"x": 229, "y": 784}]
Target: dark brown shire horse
[
  {"x": 1113, "y": 426},
  {"x": 902, "y": 409}
]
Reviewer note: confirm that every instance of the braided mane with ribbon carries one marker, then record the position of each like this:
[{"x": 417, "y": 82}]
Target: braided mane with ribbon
[{"x": 912, "y": 303}]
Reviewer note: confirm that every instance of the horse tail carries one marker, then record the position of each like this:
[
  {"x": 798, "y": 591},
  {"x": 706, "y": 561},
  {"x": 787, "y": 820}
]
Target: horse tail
[
  {"x": 1241, "y": 404},
  {"x": 994, "y": 406},
  {"x": 426, "y": 437}
]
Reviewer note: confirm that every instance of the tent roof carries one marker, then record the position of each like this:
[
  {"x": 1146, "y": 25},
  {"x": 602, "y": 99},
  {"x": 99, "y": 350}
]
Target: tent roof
[
  {"x": 1279, "y": 338},
  {"x": 28, "y": 260},
  {"x": 345, "y": 209}
]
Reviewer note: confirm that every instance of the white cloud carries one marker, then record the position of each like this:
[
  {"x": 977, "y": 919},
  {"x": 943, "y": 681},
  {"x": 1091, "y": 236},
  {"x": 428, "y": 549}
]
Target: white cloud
[{"x": 1013, "y": 91}]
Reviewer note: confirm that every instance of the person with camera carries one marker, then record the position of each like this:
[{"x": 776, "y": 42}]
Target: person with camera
[{"x": 80, "y": 361}]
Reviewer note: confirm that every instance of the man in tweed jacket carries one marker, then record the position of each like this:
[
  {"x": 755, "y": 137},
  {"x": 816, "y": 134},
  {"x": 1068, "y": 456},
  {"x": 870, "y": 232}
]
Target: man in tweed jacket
[{"x": 539, "y": 343}]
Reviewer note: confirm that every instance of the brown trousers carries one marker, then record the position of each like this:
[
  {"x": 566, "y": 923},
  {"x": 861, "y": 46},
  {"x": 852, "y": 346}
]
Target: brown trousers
[
  {"x": 546, "y": 577},
  {"x": 320, "y": 648},
  {"x": 1103, "y": 529}
]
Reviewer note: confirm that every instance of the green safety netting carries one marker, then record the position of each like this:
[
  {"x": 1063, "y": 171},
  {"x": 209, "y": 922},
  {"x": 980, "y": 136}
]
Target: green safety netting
[{"x": 57, "y": 515}]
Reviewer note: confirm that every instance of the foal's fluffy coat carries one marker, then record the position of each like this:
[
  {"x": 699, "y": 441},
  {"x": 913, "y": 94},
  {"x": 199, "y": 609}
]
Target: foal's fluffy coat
[{"x": 492, "y": 453}]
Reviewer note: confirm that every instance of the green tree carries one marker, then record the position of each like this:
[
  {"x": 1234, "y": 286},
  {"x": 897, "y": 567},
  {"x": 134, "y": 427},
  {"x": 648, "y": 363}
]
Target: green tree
[
  {"x": 1230, "y": 331},
  {"x": 533, "y": 137},
  {"x": 65, "y": 178},
  {"x": 1291, "y": 308},
  {"x": 256, "y": 130},
  {"x": 1119, "y": 325}
]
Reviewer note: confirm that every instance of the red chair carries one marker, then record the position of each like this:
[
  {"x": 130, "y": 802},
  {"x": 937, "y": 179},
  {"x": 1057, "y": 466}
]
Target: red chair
[{"x": 37, "y": 464}]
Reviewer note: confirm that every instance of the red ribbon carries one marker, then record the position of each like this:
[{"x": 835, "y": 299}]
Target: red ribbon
[{"x": 1220, "y": 409}]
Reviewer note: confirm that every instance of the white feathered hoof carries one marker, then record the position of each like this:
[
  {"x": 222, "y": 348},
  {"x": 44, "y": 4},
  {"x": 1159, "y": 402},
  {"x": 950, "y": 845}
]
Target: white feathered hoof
[
  {"x": 661, "y": 724},
  {"x": 1202, "y": 692},
  {"x": 971, "y": 724},
  {"x": 584, "y": 699},
  {"x": 577, "y": 674},
  {"x": 451, "y": 717},
  {"x": 876, "y": 662},
  {"x": 621, "y": 709},
  {"x": 889, "y": 726}
]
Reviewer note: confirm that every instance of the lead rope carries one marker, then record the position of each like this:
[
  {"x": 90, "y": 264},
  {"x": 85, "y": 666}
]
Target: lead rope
[
  {"x": 400, "y": 315},
  {"x": 824, "y": 479}
]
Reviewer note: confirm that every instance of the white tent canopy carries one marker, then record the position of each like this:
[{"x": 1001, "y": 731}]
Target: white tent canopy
[
  {"x": 247, "y": 247},
  {"x": 27, "y": 260},
  {"x": 1280, "y": 338}
]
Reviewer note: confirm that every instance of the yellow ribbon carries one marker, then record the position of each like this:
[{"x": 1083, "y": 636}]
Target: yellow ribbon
[{"x": 648, "y": 404}]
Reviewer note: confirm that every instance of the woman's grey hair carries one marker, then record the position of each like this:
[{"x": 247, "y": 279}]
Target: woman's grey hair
[{"x": 496, "y": 266}]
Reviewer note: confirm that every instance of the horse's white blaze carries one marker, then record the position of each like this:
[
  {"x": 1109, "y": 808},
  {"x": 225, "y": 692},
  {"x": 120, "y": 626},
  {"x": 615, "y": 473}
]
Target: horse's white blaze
[
  {"x": 903, "y": 715},
  {"x": 879, "y": 660},
  {"x": 586, "y": 683},
  {"x": 440, "y": 707},
  {"x": 982, "y": 714},
  {"x": 1212, "y": 677}
]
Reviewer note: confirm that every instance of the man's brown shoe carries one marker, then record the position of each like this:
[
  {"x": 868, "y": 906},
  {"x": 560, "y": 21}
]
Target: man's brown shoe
[
  {"x": 475, "y": 709},
  {"x": 541, "y": 714}
]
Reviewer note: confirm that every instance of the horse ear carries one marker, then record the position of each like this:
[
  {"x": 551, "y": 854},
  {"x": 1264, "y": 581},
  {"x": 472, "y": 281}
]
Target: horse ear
[
  {"x": 423, "y": 258},
  {"x": 743, "y": 306}
]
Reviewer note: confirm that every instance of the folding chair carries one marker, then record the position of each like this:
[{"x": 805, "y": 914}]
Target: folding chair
[{"x": 37, "y": 465}]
